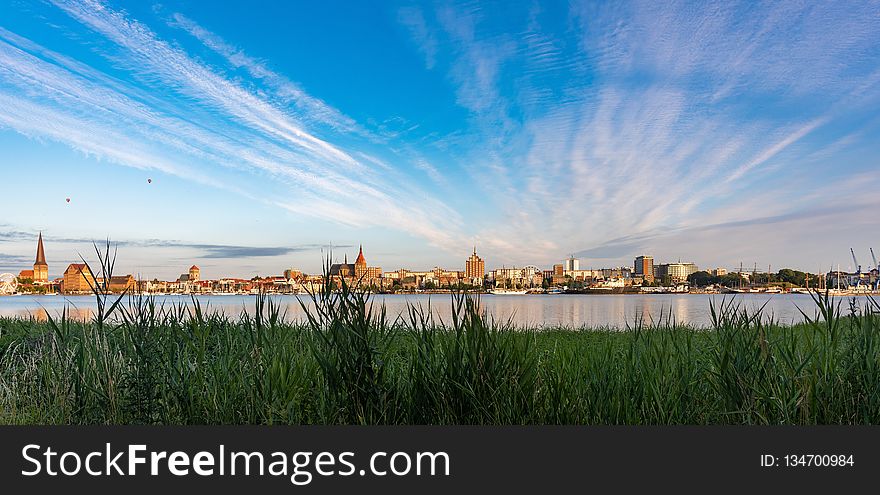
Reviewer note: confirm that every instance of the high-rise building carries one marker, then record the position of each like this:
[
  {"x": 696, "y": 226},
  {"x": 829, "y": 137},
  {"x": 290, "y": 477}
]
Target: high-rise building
[
  {"x": 644, "y": 267},
  {"x": 41, "y": 268},
  {"x": 677, "y": 272},
  {"x": 474, "y": 267},
  {"x": 558, "y": 270},
  {"x": 571, "y": 264},
  {"x": 194, "y": 273}
]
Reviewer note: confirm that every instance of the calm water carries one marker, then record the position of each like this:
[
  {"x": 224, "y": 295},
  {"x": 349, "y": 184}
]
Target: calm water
[{"x": 533, "y": 310}]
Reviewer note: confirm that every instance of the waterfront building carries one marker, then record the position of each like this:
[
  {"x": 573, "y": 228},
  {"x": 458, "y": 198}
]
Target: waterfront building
[
  {"x": 446, "y": 278},
  {"x": 26, "y": 275},
  {"x": 508, "y": 277},
  {"x": 194, "y": 273},
  {"x": 558, "y": 277},
  {"x": 408, "y": 279},
  {"x": 474, "y": 267},
  {"x": 583, "y": 275},
  {"x": 621, "y": 272},
  {"x": 41, "y": 268},
  {"x": 677, "y": 272},
  {"x": 571, "y": 264},
  {"x": 719, "y": 272},
  {"x": 643, "y": 268},
  {"x": 612, "y": 283},
  {"x": 532, "y": 276},
  {"x": 121, "y": 283},
  {"x": 154, "y": 285},
  {"x": 78, "y": 278},
  {"x": 233, "y": 285}
]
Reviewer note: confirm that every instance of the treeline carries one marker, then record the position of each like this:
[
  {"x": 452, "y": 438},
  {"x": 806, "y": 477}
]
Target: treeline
[{"x": 783, "y": 278}]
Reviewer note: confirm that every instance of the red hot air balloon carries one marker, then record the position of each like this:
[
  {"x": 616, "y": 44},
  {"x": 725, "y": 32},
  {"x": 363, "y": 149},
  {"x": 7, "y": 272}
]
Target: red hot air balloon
[{"x": 68, "y": 200}]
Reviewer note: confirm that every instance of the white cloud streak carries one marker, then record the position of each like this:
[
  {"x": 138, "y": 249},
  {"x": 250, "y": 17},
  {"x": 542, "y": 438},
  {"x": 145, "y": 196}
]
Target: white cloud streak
[
  {"x": 669, "y": 114},
  {"x": 311, "y": 108},
  {"x": 182, "y": 117},
  {"x": 414, "y": 20}
]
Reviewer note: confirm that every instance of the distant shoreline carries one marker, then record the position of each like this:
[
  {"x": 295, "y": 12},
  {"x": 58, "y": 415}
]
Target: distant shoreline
[{"x": 428, "y": 293}]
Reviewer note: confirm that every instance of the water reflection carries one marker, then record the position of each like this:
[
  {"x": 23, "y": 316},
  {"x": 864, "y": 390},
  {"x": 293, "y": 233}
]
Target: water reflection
[
  {"x": 546, "y": 310},
  {"x": 42, "y": 314}
]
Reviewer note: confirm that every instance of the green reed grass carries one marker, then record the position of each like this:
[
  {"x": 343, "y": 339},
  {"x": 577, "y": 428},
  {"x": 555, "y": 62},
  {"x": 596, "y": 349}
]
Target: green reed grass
[{"x": 140, "y": 361}]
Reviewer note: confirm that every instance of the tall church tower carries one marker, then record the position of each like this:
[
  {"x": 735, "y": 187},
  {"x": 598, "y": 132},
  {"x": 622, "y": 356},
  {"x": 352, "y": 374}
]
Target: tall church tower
[
  {"x": 41, "y": 268},
  {"x": 360, "y": 264}
]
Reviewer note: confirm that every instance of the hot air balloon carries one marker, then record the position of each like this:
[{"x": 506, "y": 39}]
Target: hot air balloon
[
  {"x": 68, "y": 200},
  {"x": 149, "y": 181}
]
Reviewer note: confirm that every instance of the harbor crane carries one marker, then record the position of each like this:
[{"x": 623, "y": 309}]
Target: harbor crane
[
  {"x": 858, "y": 267},
  {"x": 876, "y": 267}
]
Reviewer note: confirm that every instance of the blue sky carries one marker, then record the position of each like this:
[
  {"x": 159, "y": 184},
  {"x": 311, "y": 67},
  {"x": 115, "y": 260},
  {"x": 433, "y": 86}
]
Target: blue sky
[{"x": 717, "y": 133}]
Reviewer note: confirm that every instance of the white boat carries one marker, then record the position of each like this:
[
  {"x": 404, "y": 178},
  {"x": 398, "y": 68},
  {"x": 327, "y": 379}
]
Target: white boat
[{"x": 507, "y": 292}]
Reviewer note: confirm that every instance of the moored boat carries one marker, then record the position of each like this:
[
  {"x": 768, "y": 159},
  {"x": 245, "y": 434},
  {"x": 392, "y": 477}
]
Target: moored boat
[{"x": 507, "y": 292}]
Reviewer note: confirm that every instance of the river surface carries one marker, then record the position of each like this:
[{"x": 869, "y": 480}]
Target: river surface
[{"x": 529, "y": 310}]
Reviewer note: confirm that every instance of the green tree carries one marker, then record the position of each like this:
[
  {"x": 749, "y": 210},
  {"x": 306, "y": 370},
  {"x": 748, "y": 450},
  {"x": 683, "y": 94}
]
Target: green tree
[
  {"x": 731, "y": 280},
  {"x": 702, "y": 279},
  {"x": 793, "y": 277}
]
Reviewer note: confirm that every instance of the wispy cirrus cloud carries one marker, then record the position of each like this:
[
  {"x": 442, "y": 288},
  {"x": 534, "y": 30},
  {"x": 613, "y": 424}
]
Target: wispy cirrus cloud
[
  {"x": 310, "y": 108},
  {"x": 775, "y": 149},
  {"x": 148, "y": 55},
  {"x": 664, "y": 117},
  {"x": 413, "y": 19},
  {"x": 172, "y": 113}
]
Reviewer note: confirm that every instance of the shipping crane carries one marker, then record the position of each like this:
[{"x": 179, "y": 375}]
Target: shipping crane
[
  {"x": 858, "y": 268},
  {"x": 876, "y": 267}
]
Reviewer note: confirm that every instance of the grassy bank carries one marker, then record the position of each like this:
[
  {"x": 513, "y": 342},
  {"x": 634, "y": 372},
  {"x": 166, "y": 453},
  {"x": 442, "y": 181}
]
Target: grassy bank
[{"x": 139, "y": 362}]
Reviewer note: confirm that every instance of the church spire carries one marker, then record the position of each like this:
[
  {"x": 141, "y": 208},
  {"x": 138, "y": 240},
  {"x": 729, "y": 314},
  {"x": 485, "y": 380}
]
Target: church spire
[
  {"x": 360, "y": 259},
  {"x": 41, "y": 268},
  {"x": 41, "y": 256}
]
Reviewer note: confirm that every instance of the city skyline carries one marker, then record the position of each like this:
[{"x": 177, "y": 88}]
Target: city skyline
[
  {"x": 249, "y": 138},
  {"x": 472, "y": 268},
  {"x": 644, "y": 276}
]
